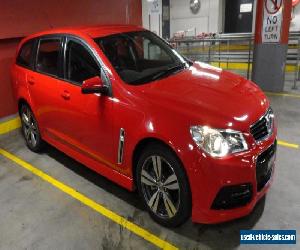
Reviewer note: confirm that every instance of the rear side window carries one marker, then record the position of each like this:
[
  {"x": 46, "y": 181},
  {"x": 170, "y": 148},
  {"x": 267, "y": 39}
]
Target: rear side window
[
  {"x": 80, "y": 64},
  {"x": 48, "y": 56},
  {"x": 25, "y": 55}
]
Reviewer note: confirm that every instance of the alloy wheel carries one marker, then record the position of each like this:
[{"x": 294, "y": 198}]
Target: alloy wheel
[
  {"x": 29, "y": 127},
  {"x": 160, "y": 187}
]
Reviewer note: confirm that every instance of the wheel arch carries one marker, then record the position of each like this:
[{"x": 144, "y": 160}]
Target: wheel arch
[
  {"x": 142, "y": 144},
  {"x": 22, "y": 101}
]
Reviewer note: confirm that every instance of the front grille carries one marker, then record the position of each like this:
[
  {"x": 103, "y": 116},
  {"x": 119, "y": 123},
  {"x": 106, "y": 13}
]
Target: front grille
[
  {"x": 233, "y": 196},
  {"x": 264, "y": 166},
  {"x": 263, "y": 127}
]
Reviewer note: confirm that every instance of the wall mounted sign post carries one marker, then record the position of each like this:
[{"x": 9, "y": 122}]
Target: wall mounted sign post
[
  {"x": 154, "y": 7},
  {"x": 154, "y": 13},
  {"x": 271, "y": 43},
  {"x": 246, "y": 7}
]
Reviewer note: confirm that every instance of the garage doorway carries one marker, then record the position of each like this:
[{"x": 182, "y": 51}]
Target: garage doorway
[
  {"x": 166, "y": 19},
  {"x": 238, "y": 16}
]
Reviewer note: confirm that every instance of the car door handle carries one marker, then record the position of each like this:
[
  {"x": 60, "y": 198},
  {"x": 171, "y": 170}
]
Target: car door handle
[
  {"x": 31, "y": 80},
  {"x": 66, "y": 95}
]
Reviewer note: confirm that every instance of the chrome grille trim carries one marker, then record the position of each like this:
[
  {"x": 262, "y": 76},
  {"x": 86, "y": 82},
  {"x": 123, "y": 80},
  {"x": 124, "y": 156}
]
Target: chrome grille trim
[{"x": 263, "y": 128}]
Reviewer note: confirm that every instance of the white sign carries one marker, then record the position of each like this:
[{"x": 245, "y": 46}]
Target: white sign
[
  {"x": 272, "y": 21},
  {"x": 245, "y": 7},
  {"x": 154, "y": 7}
]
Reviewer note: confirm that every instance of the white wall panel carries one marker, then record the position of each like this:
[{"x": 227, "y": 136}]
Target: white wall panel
[{"x": 206, "y": 20}]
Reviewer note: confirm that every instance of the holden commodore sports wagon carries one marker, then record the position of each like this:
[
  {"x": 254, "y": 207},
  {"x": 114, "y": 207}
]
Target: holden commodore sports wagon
[{"x": 194, "y": 140}]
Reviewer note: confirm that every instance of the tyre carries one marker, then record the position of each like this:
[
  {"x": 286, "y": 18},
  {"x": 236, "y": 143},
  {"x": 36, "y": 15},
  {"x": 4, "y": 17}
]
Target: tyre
[
  {"x": 30, "y": 129},
  {"x": 163, "y": 186}
]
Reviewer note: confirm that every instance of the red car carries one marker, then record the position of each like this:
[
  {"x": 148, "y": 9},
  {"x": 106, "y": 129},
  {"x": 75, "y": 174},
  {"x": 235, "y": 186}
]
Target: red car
[{"x": 194, "y": 140}]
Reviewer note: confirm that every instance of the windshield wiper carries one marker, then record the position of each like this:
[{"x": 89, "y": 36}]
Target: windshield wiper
[
  {"x": 168, "y": 71},
  {"x": 160, "y": 74}
]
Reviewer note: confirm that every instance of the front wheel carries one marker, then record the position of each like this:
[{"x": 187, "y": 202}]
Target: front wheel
[
  {"x": 163, "y": 186},
  {"x": 30, "y": 129}
]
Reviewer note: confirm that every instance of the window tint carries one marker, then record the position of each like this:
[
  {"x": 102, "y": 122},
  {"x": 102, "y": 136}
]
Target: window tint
[
  {"x": 25, "y": 54},
  {"x": 147, "y": 50},
  {"x": 80, "y": 65},
  {"x": 141, "y": 56},
  {"x": 48, "y": 54}
]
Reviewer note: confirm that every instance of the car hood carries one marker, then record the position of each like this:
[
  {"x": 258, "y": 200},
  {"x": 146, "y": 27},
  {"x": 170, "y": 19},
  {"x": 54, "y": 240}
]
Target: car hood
[{"x": 208, "y": 96}]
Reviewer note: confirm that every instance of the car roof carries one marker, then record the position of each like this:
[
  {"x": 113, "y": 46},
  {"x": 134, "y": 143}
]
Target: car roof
[{"x": 92, "y": 31}]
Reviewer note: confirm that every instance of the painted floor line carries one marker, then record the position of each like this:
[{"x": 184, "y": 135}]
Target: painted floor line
[
  {"x": 287, "y": 144},
  {"x": 10, "y": 125},
  {"x": 282, "y": 94},
  {"x": 134, "y": 228}
]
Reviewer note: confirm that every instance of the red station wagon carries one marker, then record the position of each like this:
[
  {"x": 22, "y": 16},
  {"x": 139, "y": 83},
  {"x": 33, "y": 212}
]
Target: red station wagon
[{"x": 194, "y": 140}]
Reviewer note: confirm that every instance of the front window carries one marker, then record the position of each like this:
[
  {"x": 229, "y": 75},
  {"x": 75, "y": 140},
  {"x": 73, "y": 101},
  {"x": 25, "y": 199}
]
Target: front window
[
  {"x": 80, "y": 65},
  {"x": 141, "y": 57}
]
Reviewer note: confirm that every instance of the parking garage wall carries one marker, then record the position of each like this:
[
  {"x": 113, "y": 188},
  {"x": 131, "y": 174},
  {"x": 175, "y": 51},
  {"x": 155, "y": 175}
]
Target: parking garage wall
[
  {"x": 208, "y": 19},
  {"x": 19, "y": 18}
]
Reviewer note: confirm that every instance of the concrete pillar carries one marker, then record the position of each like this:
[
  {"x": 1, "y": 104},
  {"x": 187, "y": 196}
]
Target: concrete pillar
[{"x": 271, "y": 43}]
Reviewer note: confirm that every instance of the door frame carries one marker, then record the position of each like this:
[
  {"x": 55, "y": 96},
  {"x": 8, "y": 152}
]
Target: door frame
[
  {"x": 223, "y": 15},
  {"x": 92, "y": 52},
  {"x": 64, "y": 38},
  {"x": 36, "y": 50}
]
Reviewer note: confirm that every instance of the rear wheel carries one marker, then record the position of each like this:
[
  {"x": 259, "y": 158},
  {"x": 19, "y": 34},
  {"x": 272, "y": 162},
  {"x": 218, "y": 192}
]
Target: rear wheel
[
  {"x": 163, "y": 186},
  {"x": 30, "y": 129}
]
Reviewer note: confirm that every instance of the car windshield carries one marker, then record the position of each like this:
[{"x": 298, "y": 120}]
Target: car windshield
[{"x": 141, "y": 57}]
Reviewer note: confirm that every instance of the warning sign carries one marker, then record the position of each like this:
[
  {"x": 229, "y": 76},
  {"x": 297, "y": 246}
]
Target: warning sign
[{"x": 272, "y": 21}]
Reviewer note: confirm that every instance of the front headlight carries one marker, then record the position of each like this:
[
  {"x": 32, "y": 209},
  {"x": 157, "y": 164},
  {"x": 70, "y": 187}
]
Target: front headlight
[{"x": 218, "y": 143}]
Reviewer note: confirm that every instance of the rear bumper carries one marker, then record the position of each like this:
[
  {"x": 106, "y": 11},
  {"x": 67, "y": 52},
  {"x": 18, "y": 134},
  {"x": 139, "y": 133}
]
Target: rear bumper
[{"x": 214, "y": 174}]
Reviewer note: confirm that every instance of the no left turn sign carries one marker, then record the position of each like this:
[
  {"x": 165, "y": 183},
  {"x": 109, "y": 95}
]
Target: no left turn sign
[
  {"x": 273, "y": 6},
  {"x": 272, "y": 20}
]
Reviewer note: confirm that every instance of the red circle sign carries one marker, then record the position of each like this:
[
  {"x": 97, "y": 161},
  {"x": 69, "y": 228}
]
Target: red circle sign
[
  {"x": 273, "y": 6},
  {"x": 295, "y": 2}
]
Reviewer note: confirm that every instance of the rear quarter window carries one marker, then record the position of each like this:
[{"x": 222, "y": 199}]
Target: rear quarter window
[
  {"x": 48, "y": 56},
  {"x": 24, "y": 57}
]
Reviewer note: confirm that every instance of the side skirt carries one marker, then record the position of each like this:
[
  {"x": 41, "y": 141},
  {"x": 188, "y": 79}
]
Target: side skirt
[{"x": 109, "y": 173}]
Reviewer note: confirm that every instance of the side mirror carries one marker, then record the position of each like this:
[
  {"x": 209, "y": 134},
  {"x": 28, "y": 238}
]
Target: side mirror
[{"x": 94, "y": 85}]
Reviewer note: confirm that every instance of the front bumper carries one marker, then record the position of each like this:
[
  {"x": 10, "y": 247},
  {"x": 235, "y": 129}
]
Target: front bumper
[{"x": 234, "y": 171}]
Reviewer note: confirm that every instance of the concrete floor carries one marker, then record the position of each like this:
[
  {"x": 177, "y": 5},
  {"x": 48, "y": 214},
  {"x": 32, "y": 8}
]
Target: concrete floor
[{"x": 36, "y": 215}]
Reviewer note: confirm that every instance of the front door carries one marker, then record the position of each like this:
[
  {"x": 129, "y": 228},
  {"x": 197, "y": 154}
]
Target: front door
[{"x": 86, "y": 119}]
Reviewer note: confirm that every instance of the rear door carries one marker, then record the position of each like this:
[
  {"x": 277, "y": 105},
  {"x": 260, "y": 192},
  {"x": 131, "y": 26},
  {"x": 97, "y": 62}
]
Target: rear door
[
  {"x": 87, "y": 118},
  {"x": 22, "y": 68},
  {"x": 44, "y": 82}
]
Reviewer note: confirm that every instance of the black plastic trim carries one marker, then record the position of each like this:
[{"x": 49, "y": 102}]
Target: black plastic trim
[{"x": 233, "y": 196}]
